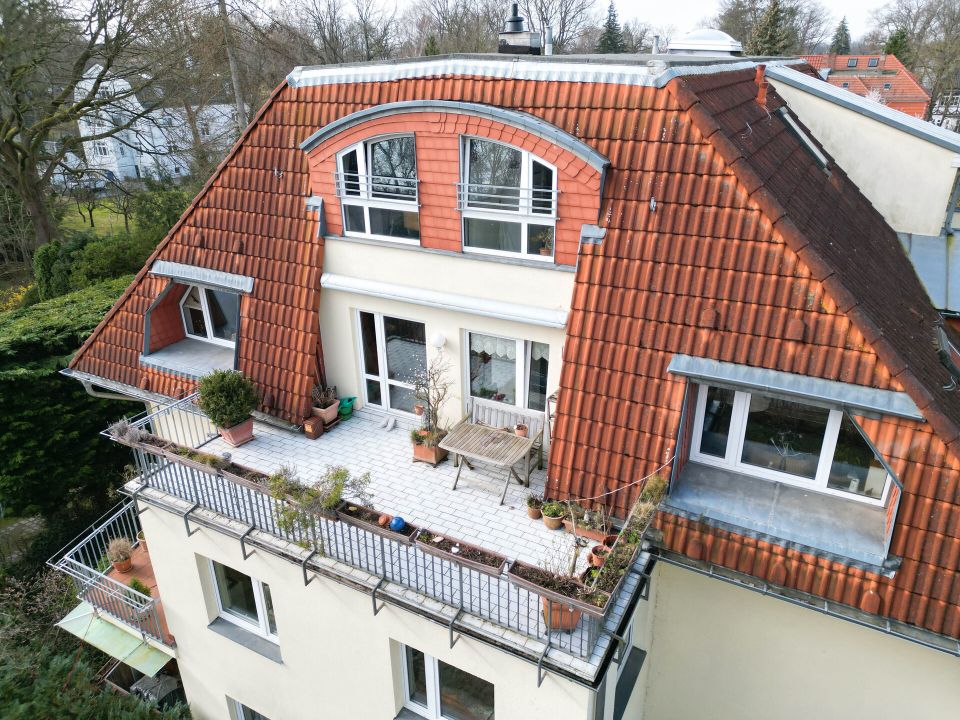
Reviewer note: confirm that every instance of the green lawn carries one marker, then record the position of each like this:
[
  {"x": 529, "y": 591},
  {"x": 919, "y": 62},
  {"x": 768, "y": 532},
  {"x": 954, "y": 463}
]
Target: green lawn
[{"x": 105, "y": 221}]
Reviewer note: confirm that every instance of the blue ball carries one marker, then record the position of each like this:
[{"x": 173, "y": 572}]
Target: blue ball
[{"x": 398, "y": 524}]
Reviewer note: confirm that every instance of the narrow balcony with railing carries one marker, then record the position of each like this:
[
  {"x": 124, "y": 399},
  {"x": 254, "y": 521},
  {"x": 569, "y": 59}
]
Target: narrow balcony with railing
[
  {"x": 459, "y": 558},
  {"x": 123, "y": 591}
]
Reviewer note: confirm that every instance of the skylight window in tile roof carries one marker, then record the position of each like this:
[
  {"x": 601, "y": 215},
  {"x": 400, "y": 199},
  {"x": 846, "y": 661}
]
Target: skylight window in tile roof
[
  {"x": 377, "y": 184},
  {"x": 845, "y": 85},
  {"x": 873, "y": 62},
  {"x": 805, "y": 139},
  {"x": 887, "y": 86},
  {"x": 852, "y": 62},
  {"x": 508, "y": 198}
]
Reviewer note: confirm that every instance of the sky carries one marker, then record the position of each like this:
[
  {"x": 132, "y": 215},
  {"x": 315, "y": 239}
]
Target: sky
[{"x": 686, "y": 15}]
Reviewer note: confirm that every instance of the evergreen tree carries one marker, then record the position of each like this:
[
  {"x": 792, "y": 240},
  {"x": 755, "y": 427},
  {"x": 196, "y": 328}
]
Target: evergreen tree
[
  {"x": 840, "y": 45},
  {"x": 431, "y": 47},
  {"x": 611, "y": 39},
  {"x": 772, "y": 34},
  {"x": 898, "y": 45}
]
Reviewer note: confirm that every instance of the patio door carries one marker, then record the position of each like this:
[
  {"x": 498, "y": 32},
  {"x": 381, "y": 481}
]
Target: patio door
[{"x": 393, "y": 351}]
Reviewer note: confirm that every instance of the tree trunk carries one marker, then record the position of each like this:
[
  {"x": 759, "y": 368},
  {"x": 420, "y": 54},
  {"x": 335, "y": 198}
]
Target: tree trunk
[
  {"x": 35, "y": 202},
  {"x": 234, "y": 71}
]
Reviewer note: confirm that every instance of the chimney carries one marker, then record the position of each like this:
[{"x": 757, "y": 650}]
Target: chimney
[
  {"x": 515, "y": 38},
  {"x": 656, "y": 45},
  {"x": 548, "y": 40},
  {"x": 761, "y": 82}
]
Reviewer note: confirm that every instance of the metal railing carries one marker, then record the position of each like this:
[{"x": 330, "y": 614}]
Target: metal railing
[
  {"x": 487, "y": 595},
  {"x": 87, "y": 564},
  {"x": 499, "y": 198},
  {"x": 375, "y": 187}
]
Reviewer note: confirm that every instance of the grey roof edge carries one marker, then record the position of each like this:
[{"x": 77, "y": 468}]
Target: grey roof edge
[
  {"x": 516, "y": 118},
  {"x": 203, "y": 276},
  {"x": 881, "y": 113},
  {"x": 833, "y": 392}
]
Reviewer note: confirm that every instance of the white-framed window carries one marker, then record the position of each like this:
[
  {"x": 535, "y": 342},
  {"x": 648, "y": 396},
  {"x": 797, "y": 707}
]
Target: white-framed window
[
  {"x": 508, "y": 200},
  {"x": 242, "y": 712},
  {"x": 507, "y": 370},
  {"x": 211, "y": 315},
  {"x": 376, "y": 182},
  {"x": 786, "y": 441},
  {"x": 100, "y": 148},
  {"x": 436, "y": 690},
  {"x": 392, "y": 351},
  {"x": 244, "y": 601}
]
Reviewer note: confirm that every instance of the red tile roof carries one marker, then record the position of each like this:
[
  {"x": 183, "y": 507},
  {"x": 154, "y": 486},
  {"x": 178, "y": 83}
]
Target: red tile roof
[
  {"x": 905, "y": 92},
  {"x": 725, "y": 240}
]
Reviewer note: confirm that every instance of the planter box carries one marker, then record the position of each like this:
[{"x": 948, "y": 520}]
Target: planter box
[
  {"x": 458, "y": 558},
  {"x": 553, "y": 596},
  {"x": 238, "y": 434},
  {"x": 232, "y": 471},
  {"x": 595, "y": 535},
  {"x": 327, "y": 414},
  {"x": 433, "y": 454},
  {"x": 406, "y": 537}
]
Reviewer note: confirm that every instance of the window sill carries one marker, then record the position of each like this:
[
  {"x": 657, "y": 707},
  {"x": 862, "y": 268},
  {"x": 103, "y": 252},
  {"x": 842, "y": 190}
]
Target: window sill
[
  {"x": 249, "y": 640},
  {"x": 191, "y": 358},
  {"x": 835, "y": 525}
]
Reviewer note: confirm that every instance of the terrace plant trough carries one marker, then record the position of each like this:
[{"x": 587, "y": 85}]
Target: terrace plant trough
[
  {"x": 564, "y": 601},
  {"x": 460, "y": 552},
  {"x": 369, "y": 519}
]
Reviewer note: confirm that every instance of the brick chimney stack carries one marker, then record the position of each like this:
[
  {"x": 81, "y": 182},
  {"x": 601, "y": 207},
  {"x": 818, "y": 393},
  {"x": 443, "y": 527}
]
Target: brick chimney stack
[{"x": 761, "y": 81}]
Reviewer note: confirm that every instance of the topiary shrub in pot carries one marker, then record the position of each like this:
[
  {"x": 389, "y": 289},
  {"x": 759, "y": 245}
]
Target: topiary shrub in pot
[{"x": 228, "y": 398}]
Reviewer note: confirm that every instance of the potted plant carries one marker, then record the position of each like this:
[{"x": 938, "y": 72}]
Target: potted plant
[
  {"x": 119, "y": 553},
  {"x": 521, "y": 429},
  {"x": 553, "y": 513},
  {"x": 137, "y": 586},
  {"x": 591, "y": 524},
  {"x": 228, "y": 398},
  {"x": 326, "y": 404},
  {"x": 598, "y": 555},
  {"x": 431, "y": 386},
  {"x": 142, "y": 540},
  {"x": 303, "y": 503},
  {"x": 395, "y": 528},
  {"x": 461, "y": 552},
  {"x": 534, "y": 503}
]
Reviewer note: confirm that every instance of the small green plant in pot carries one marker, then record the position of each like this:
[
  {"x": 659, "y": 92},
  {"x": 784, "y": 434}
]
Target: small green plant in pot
[
  {"x": 534, "y": 503},
  {"x": 227, "y": 397},
  {"x": 553, "y": 513}
]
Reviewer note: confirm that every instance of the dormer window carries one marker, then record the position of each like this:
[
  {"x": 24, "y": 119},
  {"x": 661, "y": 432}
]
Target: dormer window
[
  {"x": 873, "y": 62},
  {"x": 508, "y": 199},
  {"x": 377, "y": 187},
  {"x": 211, "y": 315}
]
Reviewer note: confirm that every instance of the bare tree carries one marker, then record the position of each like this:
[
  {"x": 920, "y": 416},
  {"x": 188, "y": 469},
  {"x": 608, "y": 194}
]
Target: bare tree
[
  {"x": 809, "y": 21},
  {"x": 58, "y": 64},
  {"x": 570, "y": 19},
  {"x": 241, "y": 106}
]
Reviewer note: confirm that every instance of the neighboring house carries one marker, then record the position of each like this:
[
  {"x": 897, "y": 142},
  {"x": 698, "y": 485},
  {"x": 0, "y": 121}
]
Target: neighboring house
[
  {"x": 882, "y": 78},
  {"x": 908, "y": 169},
  {"x": 651, "y": 254},
  {"x": 162, "y": 142}
]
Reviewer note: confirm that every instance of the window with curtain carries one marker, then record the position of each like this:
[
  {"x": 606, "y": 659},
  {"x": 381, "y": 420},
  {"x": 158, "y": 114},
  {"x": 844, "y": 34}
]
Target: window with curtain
[{"x": 508, "y": 370}]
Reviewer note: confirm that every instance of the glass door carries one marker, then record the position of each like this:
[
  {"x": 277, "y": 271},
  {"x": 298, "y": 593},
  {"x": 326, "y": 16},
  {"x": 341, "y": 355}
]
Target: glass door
[{"x": 393, "y": 351}]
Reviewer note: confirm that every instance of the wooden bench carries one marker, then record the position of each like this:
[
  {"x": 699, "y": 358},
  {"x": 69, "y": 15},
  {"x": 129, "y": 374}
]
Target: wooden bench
[{"x": 500, "y": 415}]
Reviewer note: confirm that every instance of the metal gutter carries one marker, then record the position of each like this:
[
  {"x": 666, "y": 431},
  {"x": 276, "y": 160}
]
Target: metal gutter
[
  {"x": 926, "y": 638},
  {"x": 829, "y": 393}
]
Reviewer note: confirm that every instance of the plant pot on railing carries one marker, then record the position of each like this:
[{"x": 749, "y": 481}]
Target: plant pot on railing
[
  {"x": 392, "y": 527},
  {"x": 564, "y": 600},
  {"x": 464, "y": 553}
]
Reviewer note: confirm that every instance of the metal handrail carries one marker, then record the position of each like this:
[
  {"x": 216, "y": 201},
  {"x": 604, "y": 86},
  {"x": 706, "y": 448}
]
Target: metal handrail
[
  {"x": 376, "y": 187},
  {"x": 539, "y": 202},
  {"x": 167, "y": 422},
  {"x": 87, "y": 565}
]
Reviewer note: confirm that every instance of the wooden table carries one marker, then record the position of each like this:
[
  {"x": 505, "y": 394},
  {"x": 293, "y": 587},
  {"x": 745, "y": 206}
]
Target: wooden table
[{"x": 485, "y": 444}]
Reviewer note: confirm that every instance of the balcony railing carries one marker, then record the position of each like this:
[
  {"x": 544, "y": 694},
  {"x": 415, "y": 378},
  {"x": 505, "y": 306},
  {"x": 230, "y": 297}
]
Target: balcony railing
[
  {"x": 488, "y": 595},
  {"x": 506, "y": 199},
  {"x": 87, "y": 563},
  {"x": 375, "y": 187}
]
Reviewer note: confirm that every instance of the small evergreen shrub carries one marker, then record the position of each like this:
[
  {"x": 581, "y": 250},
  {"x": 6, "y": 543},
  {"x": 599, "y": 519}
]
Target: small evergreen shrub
[{"x": 227, "y": 397}]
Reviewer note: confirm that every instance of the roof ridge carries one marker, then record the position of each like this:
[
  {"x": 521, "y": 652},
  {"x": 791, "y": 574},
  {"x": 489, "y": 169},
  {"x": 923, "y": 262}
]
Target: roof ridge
[
  {"x": 821, "y": 269},
  {"x": 161, "y": 246}
]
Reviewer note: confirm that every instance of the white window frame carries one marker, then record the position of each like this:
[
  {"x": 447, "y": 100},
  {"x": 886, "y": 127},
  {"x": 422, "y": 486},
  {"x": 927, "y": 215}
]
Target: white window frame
[
  {"x": 382, "y": 378},
  {"x": 522, "y": 369},
  {"x": 205, "y": 307},
  {"x": 101, "y": 149},
  {"x": 432, "y": 672},
  {"x": 523, "y": 215},
  {"x": 735, "y": 440},
  {"x": 262, "y": 628},
  {"x": 239, "y": 708},
  {"x": 365, "y": 199}
]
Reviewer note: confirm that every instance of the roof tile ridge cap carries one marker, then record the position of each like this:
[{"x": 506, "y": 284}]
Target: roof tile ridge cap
[{"x": 162, "y": 245}]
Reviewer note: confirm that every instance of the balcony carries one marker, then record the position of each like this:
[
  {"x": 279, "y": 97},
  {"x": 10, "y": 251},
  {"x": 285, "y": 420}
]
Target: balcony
[
  {"x": 113, "y": 616},
  {"x": 480, "y": 602}
]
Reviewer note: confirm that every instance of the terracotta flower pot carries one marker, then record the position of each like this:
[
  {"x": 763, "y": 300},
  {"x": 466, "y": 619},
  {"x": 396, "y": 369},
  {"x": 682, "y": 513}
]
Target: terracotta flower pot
[
  {"x": 432, "y": 454},
  {"x": 533, "y": 513},
  {"x": 554, "y": 523},
  {"x": 521, "y": 430},
  {"x": 559, "y": 616},
  {"x": 123, "y": 566},
  {"x": 327, "y": 414},
  {"x": 418, "y": 409},
  {"x": 598, "y": 555},
  {"x": 238, "y": 434}
]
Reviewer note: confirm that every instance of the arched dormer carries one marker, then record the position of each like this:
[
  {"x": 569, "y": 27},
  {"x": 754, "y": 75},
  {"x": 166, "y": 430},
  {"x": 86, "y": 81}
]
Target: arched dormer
[{"x": 460, "y": 177}]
